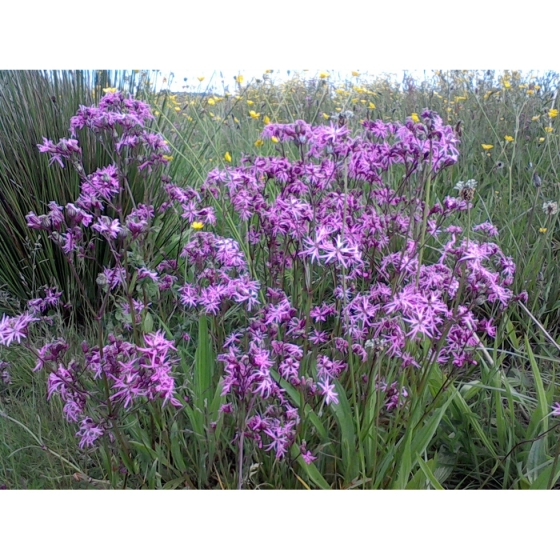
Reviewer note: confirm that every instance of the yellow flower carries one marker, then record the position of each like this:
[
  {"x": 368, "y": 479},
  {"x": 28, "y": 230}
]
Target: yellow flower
[
  {"x": 487, "y": 146},
  {"x": 227, "y": 157},
  {"x": 355, "y": 74},
  {"x": 266, "y": 119},
  {"x": 530, "y": 92},
  {"x": 324, "y": 75},
  {"x": 197, "y": 225},
  {"x": 508, "y": 138},
  {"x": 548, "y": 129},
  {"x": 211, "y": 102},
  {"x": 168, "y": 158},
  {"x": 177, "y": 109},
  {"x": 543, "y": 230},
  {"x": 541, "y": 139},
  {"x": 259, "y": 143},
  {"x": 268, "y": 71},
  {"x": 415, "y": 117},
  {"x": 254, "y": 115},
  {"x": 274, "y": 139},
  {"x": 249, "y": 102},
  {"x": 239, "y": 79},
  {"x": 535, "y": 118},
  {"x": 200, "y": 78},
  {"x": 553, "y": 113},
  {"x": 325, "y": 116},
  {"x": 235, "y": 120},
  {"x": 371, "y": 105},
  {"x": 109, "y": 90},
  {"x": 507, "y": 85}
]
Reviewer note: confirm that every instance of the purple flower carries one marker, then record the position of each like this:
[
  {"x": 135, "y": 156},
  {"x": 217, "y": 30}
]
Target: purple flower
[
  {"x": 14, "y": 329},
  {"x": 328, "y": 390},
  {"x": 89, "y": 432},
  {"x": 107, "y": 227}
]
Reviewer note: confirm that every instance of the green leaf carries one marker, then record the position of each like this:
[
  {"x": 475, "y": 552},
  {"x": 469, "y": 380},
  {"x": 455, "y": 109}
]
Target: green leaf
[
  {"x": 204, "y": 365},
  {"x": 426, "y": 469},
  {"x": 310, "y": 470},
  {"x": 539, "y": 419},
  {"x": 345, "y": 420},
  {"x": 148, "y": 323}
]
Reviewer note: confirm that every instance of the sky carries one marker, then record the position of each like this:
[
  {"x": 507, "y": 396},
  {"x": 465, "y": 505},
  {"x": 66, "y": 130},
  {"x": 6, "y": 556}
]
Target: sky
[{"x": 250, "y": 36}]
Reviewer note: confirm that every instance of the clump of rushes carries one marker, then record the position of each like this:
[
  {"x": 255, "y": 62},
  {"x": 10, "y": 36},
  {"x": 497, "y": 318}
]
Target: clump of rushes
[{"x": 336, "y": 287}]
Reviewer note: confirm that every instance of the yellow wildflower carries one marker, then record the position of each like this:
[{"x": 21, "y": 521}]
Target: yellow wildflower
[
  {"x": 325, "y": 116},
  {"x": 254, "y": 115},
  {"x": 543, "y": 230},
  {"x": 259, "y": 143},
  {"x": 266, "y": 119},
  {"x": 548, "y": 129},
  {"x": 487, "y": 146},
  {"x": 530, "y": 92},
  {"x": 268, "y": 71},
  {"x": 235, "y": 120},
  {"x": 371, "y": 105},
  {"x": 200, "y": 78},
  {"x": 324, "y": 75},
  {"x": 239, "y": 79},
  {"x": 553, "y": 113},
  {"x": 211, "y": 102},
  {"x": 355, "y": 74},
  {"x": 415, "y": 117},
  {"x": 177, "y": 109},
  {"x": 507, "y": 85},
  {"x": 535, "y": 118},
  {"x": 167, "y": 158},
  {"x": 249, "y": 102},
  {"x": 227, "y": 157},
  {"x": 508, "y": 138},
  {"x": 541, "y": 139},
  {"x": 110, "y": 90},
  {"x": 197, "y": 225},
  {"x": 274, "y": 139}
]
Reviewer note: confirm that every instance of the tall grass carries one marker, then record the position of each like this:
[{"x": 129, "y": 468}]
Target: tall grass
[{"x": 36, "y": 105}]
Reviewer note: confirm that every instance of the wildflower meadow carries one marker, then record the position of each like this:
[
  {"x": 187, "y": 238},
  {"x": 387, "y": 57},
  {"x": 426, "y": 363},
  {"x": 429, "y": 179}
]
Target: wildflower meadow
[{"x": 300, "y": 284}]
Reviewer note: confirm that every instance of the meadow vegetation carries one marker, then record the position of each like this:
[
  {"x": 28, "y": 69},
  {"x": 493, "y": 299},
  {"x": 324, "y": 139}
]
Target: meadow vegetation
[{"x": 298, "y": 284}]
